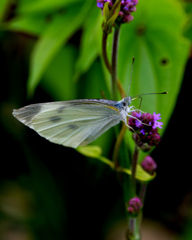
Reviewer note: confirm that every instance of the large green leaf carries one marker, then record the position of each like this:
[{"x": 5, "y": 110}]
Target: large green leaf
[
  {"x": 188, "y": 28},
  {"x": 39, "y": 6},
  {"x": 57, "y": 77},
  {"x": 31, "y": 24},
  {"x": 155, "y": 39},
  {"x": 90, "y": 42},
  {"x": 52, "y": 40},
  {"x": 3, "y": 6},
  {"x": 188, "y": 24}
]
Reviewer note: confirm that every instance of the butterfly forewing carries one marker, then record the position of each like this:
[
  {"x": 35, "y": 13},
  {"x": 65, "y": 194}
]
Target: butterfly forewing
[{"x": 70, "y": 123}]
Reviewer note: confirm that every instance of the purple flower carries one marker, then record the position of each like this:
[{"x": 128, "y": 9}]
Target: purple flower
[
  {"x": 127, "y": 7},
  {"x": 100, "y": 5},
  {"x": 144, "y": 126},
  {"x": 142, "y": 131},
  {"x": 156, "y": 118},
  {"x": 138, "y": 124},
  {"x": 134, "y": 206},
  {"x": 149, "y": 165}
]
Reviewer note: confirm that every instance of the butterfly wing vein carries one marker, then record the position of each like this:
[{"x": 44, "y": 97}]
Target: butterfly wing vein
[{"x": 69, "y": 124}]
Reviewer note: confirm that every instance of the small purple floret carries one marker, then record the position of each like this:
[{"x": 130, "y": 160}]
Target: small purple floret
[
  {"x": 156, "y": 118},
  {"x": 142, "y": 131},
  {"x": 100, "y": 5},
  {"x": 157, "y": 124},
  {"x": 144, "y": 126}
]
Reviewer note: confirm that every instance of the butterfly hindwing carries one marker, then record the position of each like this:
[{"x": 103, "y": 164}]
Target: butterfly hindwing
[{"x": 69, "y": 123}]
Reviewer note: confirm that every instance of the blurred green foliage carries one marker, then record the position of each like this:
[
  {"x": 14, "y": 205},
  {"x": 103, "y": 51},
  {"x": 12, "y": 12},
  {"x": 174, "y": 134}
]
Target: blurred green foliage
[
  {"x": 63, "y": 57},
  {"x": 155, "y": 38}
]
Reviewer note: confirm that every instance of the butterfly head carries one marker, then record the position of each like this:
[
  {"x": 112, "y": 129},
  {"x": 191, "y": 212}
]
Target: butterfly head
[{"x": 127, "y": 100}]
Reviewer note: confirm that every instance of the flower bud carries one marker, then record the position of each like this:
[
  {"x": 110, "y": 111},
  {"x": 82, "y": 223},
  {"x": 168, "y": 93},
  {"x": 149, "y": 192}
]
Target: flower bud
[
  {"x": 134, "y": 206},
  {"x": 127, "y": 7},
  {"x": 149, "y": 165}
]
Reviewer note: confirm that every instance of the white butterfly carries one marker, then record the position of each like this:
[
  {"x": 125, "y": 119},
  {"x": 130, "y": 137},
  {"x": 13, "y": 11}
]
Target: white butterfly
[{"x": 74, "y": 123}]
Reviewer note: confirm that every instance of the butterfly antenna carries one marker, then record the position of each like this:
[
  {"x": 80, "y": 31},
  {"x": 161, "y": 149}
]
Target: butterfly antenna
[
  {"x": 140, "y": 96},
  {"x": 148, "y": 94},
  {"x": 131, "y": 75}
]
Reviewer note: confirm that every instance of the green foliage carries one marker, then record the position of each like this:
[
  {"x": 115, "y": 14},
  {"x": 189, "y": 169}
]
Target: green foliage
[
  {"x": 96, "y": 152},
  {"x": 49, "y": 45},
  {"x": 155, "y": 38},
  {"x": 188, "y": 24},
  {"x": 3, "y": 7},
  {"x": 159, "y": 39},
  {"x": 61, "y": 71}
]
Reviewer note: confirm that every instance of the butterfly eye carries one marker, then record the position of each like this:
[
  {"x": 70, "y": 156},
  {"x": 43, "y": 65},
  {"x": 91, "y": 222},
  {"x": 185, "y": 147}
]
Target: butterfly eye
[{"x": 124, "y": 104}]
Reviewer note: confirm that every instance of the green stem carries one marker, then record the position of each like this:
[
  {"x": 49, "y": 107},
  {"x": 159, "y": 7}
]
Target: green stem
[
  {"x": 114, "y": 62},
  {"x": 104, "y": 50},
  {"x": 134, "y": 168},
  {"x": 143, "y": 191},
  {"x": 133, "y": 232},
  {"x": 118, "y": 144}
]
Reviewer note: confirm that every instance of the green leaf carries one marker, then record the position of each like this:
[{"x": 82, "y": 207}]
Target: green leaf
[
  {"x": 90, "y": 151},
  {"x": 31, "y": 24},
  {"x": 39, "y": 6},
  {"x": 52, "y": 40},
  {"x": 155, "y": 39},
  {"x": 90, "y": 42},
  {"x": 3, "y": 7},
  {"x": 188, "y": 27},
  {"x": 140, "y": 174},
  {"x": 57, "y": 77},
  {"x": 110, "y": 16},
  {"x": 106, "y": 12},
  {"x": 111, "y": 20},
  {"x": 96, "y": 151}
]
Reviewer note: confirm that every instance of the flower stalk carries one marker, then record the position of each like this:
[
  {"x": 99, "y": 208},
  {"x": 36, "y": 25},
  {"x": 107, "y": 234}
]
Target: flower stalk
[
  {"x": 114, "y": 62},
  {"x": 117, "y": 145},
  {"x": 104, "y": 51},
  {"x": 143, "y": 125},
  {"x": 133, "y": 170}
]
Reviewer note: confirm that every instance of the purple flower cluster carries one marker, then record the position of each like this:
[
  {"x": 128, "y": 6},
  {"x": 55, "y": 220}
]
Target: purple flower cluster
[
  {"x": 144, "y": 126},
  {"x": 127, "y": 7},
  {"x": 134, "y": 206},
  {"x": 149, "y": 165}
]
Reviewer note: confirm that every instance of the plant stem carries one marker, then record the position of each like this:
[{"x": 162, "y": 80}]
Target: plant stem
[
  {"x": 104, "y": 50},
  {"x": 134, "y": 168},
  {"x": 118, "y": 144},
  {"x": 114, "y": 61},
  {"x": 107, "y": 63},
  {"x": 133, "y": 232},
  {"x": 143, "y": 191}
]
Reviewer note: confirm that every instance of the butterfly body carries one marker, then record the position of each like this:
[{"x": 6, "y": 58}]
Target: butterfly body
[{"x": 74, "y": 123}]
